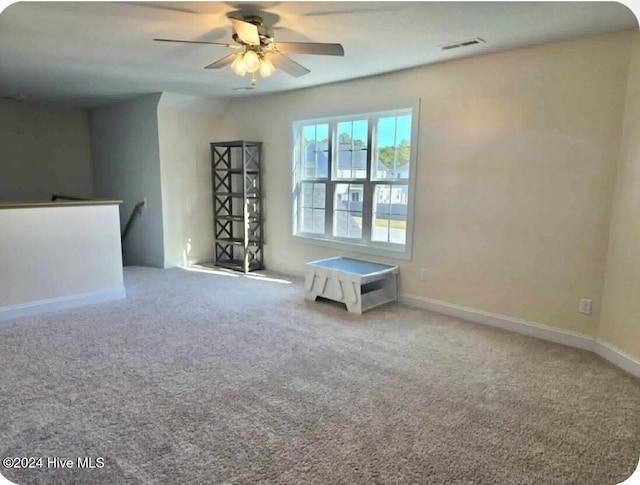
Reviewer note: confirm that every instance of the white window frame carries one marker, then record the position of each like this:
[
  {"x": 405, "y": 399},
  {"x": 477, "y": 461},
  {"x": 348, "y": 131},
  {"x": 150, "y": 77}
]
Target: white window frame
[{"x": 364, "y": 245}]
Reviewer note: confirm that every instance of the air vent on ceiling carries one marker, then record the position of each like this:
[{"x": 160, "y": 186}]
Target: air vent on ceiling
[{"x": 464, "y": 43}]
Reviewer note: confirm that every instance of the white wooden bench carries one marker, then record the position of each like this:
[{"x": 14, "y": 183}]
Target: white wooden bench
[{"x": 360, "y": 285}]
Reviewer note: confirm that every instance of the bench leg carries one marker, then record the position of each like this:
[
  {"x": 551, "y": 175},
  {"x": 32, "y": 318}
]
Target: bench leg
[{"x": 353, "y": 308}]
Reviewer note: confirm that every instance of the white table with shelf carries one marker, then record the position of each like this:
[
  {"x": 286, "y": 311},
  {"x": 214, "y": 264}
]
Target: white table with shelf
[{"x": 360, "y": 285}]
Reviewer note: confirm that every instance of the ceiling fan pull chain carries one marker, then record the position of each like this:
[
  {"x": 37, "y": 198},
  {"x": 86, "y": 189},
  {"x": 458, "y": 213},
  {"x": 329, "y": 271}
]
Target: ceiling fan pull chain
[{"x": 254, "y": 81}]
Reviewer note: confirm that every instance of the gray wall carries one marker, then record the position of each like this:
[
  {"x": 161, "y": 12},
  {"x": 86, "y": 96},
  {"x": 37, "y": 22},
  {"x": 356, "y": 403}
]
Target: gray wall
[
  {"x": 43, "y": 150},
  {"x": 126, "y": 165}
]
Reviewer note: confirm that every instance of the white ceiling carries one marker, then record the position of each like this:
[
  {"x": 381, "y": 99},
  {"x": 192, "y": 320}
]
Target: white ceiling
[{"x": 94, "y": 53}]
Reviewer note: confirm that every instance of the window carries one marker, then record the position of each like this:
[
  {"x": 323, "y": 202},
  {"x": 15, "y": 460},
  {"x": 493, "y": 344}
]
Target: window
[{"x": 353, "y": 178}]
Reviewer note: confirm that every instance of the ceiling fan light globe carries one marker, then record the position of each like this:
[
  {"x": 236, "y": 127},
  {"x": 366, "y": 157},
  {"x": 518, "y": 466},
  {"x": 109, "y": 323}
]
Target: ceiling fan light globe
[
  {"x": 240, "y": 69},
  {"x": 236, "y": 61},
  {"x": 238, "y": 65},
  {"x": 266, "y": 67},
  {"x": 251, "y": 61},
  {"x": 264, "y": 72}
]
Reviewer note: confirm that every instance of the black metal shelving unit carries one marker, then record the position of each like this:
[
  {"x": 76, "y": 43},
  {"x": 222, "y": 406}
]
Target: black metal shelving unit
[{"x": 237, "y": 205}]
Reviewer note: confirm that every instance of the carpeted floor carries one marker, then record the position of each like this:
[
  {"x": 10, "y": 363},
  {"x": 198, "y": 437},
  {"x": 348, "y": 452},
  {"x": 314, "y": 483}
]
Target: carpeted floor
[{"x": 199, "y": 378}]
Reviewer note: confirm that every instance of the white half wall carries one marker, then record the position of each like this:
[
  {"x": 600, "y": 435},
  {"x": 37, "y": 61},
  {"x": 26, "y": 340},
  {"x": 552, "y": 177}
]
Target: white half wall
[
  {"x": 57, "y": 257},
  {"x": 126, "y": 166},
  {"x": 44, "y": 150}
]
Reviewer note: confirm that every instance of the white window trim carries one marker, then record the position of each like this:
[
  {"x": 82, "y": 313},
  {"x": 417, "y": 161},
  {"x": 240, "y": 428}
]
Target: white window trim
[{"x": 386, "y": 250}]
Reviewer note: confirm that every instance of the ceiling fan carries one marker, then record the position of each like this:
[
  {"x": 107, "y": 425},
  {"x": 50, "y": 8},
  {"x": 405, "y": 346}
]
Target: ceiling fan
[{"x": 259, "y": 52}]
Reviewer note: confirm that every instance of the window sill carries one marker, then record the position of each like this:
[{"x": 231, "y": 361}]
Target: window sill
[{"x": 350, "y": 247}]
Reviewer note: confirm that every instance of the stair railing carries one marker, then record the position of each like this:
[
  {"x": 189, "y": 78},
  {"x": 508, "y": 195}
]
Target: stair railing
[{"x": 137, "y": 212}]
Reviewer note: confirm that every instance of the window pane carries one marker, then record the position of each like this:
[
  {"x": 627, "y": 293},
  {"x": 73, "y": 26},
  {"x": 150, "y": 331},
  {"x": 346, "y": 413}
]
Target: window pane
[
  {"x": 348, "y": 197},
  {"x": 309, "y": 133},
  {"x": 312, "y": 204},
  {"x": 307, "y": 195},
  {"x": 340, "y": 223},
  {"x": 348, "y": 224},
  {"x": 318, "y": 196},
  {"x": 307, "y": 220},
  {"x": 309, "y": 154},
  {"x": 345, "y": 163},
  {"x": 355, "y": 225},
  {"x": 390, "y": 213},
  {"x": 322, "y": 133},
  {"x": 351, "y": 149},
  {"x": 393, "y": 147},
  {"x": 318, "y": 221},
  {"x": 379, "y": 230},
  {"x": 313, "y": 195},
  {"x": 341, "y": 197},
  {"x": 347, "y": 215},
  {"x": 312, "y": 220},
  {"x": 315, "y": 143}
]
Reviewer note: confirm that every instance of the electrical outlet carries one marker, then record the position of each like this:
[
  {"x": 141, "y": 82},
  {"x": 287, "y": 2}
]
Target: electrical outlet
[
  {"x": 585, "y": 306},
  {"x": 424, "y": 274}
]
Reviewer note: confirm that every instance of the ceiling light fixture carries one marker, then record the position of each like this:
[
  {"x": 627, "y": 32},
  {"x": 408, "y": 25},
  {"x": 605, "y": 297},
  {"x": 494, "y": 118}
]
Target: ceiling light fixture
[
  {"x": 258, "y": 51},
  {"x": 251, "y": 61}
]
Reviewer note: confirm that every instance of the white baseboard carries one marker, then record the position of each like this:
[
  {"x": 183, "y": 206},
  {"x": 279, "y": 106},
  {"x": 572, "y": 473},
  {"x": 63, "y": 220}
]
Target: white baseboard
[
  {"x": 617, "y": 357},
  {"x": 538, "y": 330},
  {"x": 545, "y": 332},
  {"x": 63, "y": 303}
]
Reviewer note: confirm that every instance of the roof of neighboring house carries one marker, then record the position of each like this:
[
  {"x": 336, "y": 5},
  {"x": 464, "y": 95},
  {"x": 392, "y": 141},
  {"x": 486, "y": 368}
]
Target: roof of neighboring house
[{"x": 359, "y": 158}]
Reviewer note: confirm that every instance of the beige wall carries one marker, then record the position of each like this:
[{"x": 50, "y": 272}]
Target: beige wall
[
  {"x": 620, "y": 322},
  {"x": 44, "y": 150},
  {"x": 58, "y": 252},
  {"x": 185, "y": 160},
  {"x": 516, "y": 165}
]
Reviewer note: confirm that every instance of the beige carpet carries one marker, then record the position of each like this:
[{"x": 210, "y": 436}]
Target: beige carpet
[{"x": 201, "y": 379}]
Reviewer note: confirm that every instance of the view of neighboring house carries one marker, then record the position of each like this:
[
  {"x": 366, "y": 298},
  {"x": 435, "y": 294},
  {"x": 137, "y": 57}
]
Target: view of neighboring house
[{"x": 390, "y": 200}]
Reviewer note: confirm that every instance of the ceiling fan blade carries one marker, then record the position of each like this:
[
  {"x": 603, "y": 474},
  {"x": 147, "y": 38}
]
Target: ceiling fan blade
[
  {"x": 289, "y": 66},
  {"x": 315, "y": 48},
  {"x": 231, "y": 46},
  {"x": 247, "y": 32},
  {"x": 225, "y": 61}
]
